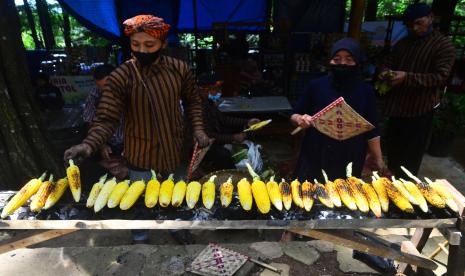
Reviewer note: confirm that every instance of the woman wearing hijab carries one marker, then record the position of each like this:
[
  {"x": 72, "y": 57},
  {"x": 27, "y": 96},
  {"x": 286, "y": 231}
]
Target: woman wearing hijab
[{"x": 319, "y": 151}]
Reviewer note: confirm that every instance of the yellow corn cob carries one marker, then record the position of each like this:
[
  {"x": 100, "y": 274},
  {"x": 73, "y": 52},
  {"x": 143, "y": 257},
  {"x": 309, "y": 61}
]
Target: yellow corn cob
[
  {"x": 40, "y": 198},
  {"x": 152, "y": 191},
  {"x": 132, "y": 194},
  {"x": 332, "y": 191},
  {"x": 179, "y": 191},
  {"x": 286, "y": 193},
  {"x": 104, "y": 194},
  {"x": 209, "y": 192},
  {"x": 226, "y": 192},
  {"x": 259, "y": 192},
  {"x": 96, "y": 188},
  {"x": 396, "y": 197},
  {"x": 372, "y": 199},
  {"x": 322, "y": 195},
  {"x": 23, "y": 195},
  {"x": 444, "y": 193},
  {"x": 275, "y": 194},
  {"x": 307, "y": 195},
  {"x": 381, "y": 192},
  {"x": 416, "y": 193},
  {"x": 357, "y": 191},
  {"x": 245, "y": 194},
  {"x": 258, "y": 125},
  {"x": 57, "y": 193},
  {"x": 117, "y": 194},
  {"x": 74, "y": 179},
  {"x": 345, "y": 193},
  {"x": 193, "y": 193},
  {"x": 166, "y": 191},
  {"x": 296, "y": 193},
  {"x": 403, "y": 190},
  {"x": 430, "y": 195}
]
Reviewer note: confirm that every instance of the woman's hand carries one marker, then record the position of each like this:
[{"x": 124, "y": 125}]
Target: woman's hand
[{"x": 303, "y": 121}]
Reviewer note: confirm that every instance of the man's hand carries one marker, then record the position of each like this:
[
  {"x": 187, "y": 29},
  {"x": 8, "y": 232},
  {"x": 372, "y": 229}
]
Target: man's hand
[
  {"x": 253, "y": 121},
  {"x": 303, "y": 121},
  {"x": 201, "y": 138},
  {"x": 78, "y": 153},
  {"x": 398, "y": 78},
  {"x": 105, "y": 152},
  {"x": 239, "y": 137}
]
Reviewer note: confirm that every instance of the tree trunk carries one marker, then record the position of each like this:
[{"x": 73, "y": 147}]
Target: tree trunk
[
  {"x": 371, "y": 10},
  {"x": 32, "y": 25},
  {"x": 444, "y": 9},
  {"x": 22, "y": 141},
  {"x": 45, "y": 24},
  {"x": 66, "y": 29}
]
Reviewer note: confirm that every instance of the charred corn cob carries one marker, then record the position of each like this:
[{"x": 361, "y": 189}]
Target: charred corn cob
[
  {"x": 259, "y": 192},
  {"x": 40, "y": 198},
  {"x": 166, "y": 191},
  {"x": 96, "y": 188},
  {"x": 57, "y": 193},
  {"x": 403, "y": 190},
  {"x": 117, "y": 194},
  {"x": 192, "y": 193},
  {"x": 245, "y": 194},
  {"x": 286, "y": 193},
  {"x": 357, "y": 191},
  {"x": 372, "y": 199},
  {"x": 320, "y": 192},
  {"x": 104, "y": 194},
  {"x": 179, "y": 192},
  {"x": 444, "y": 193},
  {"x": 226, "y": 192},
  {"x": 274, "y": 193},
  {"x": 332, "y": 191},
  {"x": 416, "y": 193},
  {"x": 346, "y": 195},
  {"x": 132, "y": 194},
  {"x": 307, "y": 195},
  {"x": 74, "y": 179},
  {"x": 430, "y": 195},
  {"x": 152, "y": 191},
  {"x": 396, "y": 197},
  {"x": 22, "y": 196},
  {"x": 296, "y": 193},
  {"x": 209, "y": 192},
  {"x": 381, "y": 192}
]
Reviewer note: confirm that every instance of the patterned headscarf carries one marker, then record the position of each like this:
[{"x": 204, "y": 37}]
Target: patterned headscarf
[{"x": 150, "y": 24}]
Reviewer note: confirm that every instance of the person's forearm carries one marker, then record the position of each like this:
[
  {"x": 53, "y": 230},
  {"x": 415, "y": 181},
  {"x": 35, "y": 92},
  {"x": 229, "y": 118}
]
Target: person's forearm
[
  {"x": 295, "y": 119},
  {"x": 374, "y": 147}
]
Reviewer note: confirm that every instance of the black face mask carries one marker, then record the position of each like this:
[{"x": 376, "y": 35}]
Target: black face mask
[
  {"x": 344, "y": 73},
  {"x": 146, "y": 59}
]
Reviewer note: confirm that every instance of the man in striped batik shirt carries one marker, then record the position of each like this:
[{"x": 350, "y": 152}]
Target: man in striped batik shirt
[{"x": 422, "y": 62}]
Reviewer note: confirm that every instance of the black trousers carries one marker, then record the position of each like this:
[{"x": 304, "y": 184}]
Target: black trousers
[{"x": 407, "y": 140}]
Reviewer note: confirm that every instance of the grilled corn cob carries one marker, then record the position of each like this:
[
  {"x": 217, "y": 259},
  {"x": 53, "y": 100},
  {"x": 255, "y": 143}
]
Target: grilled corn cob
[
  {"x": 346, "y": 195},
  {"x": 166, "y": 191},
  {"x": 96, "y": 188},
  {"x": 259, "y": 192},
  {"x": 416, "y": 193},
  {"x": 152, "y": 191},
  {"x": 132, "y": 194},
  {"x": 396, "y": 197},
  {"x": 320, "y": 192},
  {"x": 332, "y": 191},
  {"x": 209, "y": 192},
  {"x": 245, "y": 194},
  {"x": 381, "y": 192},
  {"x": 192, "y": 193},
  {"x": 117, "y": 194},
  {"x": 274, "y": 193},
  {"x": 226, "y": 192},
  {"x": 286, "y": 193},
  {"x": 104, "y": 194},
  {"x": 444, "y": 193},
  {"x": 57, "y": 193},
  {"x": 20, "y": 198},
  {"x": 179, "y": 192},
  {"x": 372, "y": 199},
  {"x": 430, "y": 195},
  {"x": 403, "y": 190},
  {"x": 307, "y": 195},
  {"x": 296, "y": 193},
  {"x": 74, "y": 179},
  {"x": 40, "y": 198},
  {"x": 357, "y": 191}
]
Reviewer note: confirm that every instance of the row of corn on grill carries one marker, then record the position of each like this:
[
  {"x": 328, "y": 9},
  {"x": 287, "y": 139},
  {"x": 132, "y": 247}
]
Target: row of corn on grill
[{"x": 351, "y": 192}]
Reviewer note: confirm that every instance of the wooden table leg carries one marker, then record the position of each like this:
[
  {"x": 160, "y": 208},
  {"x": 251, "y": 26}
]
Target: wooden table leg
[
  {"x": 34, "y": 239},
  {"x": 456, "y": 258},
  {"x": 418, "y": 240}
]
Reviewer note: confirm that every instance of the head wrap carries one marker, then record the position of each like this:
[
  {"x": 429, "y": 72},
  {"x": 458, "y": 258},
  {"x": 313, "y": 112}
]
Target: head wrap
[
  {"x": 150, "y": 24},
  {"x": 415, "y": 11},
  {"x": 350, "y": 45}
]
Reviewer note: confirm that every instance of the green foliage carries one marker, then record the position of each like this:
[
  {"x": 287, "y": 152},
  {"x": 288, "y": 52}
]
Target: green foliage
[{"x": 450, "y": 116}]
